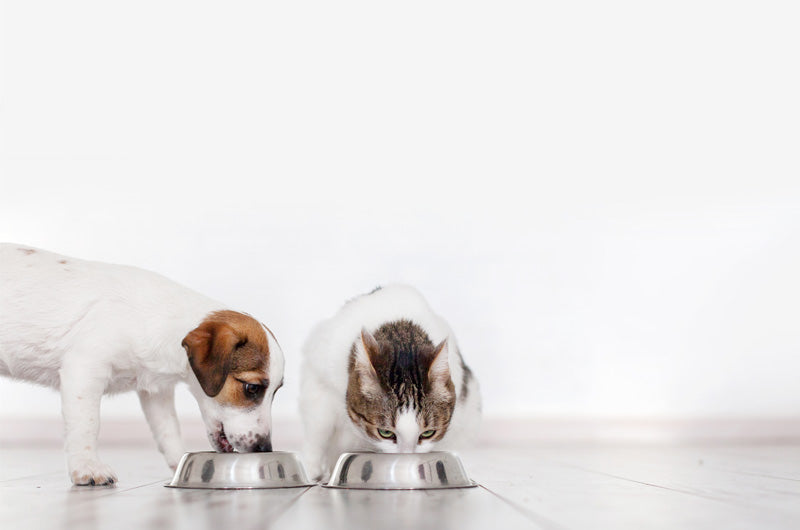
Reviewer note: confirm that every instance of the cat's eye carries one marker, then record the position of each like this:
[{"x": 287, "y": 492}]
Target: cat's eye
[
  {"x": 252, "y": 390},
  {"x": 385, "y": 433},
  {"x": 427, "y": 434}
]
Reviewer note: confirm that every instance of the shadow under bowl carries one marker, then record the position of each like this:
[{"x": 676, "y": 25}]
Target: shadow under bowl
[
  {"x": 210, "y": 470},
  {"x": 399, "y": 471}
]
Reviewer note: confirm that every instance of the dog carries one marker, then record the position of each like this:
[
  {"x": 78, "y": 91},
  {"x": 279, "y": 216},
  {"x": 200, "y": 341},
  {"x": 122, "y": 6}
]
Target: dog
[{"x": 88, "y": 329}]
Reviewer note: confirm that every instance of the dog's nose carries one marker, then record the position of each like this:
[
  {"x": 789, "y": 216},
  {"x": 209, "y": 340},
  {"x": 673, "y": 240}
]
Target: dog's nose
[{"x": 263, "y": 444}]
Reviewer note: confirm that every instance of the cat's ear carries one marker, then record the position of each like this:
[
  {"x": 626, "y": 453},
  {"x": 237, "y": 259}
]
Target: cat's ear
[
  {"x": 439, "y": 370},
  {"x": 366, "y": 353},
  {"x": 371, "y": 349}
]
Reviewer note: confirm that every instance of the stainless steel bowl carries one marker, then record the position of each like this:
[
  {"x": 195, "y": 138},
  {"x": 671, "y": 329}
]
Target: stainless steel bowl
[
  {"x": 209, "y": 470},
  {"x": 399, "y": 471}
]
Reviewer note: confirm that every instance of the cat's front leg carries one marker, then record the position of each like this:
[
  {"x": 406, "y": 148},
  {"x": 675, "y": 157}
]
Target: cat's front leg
[
  {"x": 313, "y": 460},
  {"x": 320, "y": 429},
  {"x": 81, "y": 391},
  {"x": 315, "y": 449}
]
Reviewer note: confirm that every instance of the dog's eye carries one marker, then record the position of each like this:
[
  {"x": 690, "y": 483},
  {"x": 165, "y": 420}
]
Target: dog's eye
[
  {"x": 427, "y": 434},
  {"x": 252, "y": 390}
]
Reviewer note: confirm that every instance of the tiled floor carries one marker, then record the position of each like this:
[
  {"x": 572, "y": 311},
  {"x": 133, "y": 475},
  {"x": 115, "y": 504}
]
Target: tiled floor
[{"x": 543, "y": 486}]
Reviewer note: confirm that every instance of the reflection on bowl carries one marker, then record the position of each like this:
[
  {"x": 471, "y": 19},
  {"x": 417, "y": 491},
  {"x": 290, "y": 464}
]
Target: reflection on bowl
[
  {"x": 399, "y": 471},
  {"x": 209, "y": 470}
]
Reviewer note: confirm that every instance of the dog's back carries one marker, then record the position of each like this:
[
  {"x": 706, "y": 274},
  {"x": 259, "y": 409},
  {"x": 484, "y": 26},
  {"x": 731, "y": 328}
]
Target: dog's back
[{"x": 47, "y": 300}]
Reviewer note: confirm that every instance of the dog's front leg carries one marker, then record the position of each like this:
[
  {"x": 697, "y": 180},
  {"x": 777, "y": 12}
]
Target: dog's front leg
[
  {"x": 159, "y": 409},
  {"x": 81, "y": 391}
]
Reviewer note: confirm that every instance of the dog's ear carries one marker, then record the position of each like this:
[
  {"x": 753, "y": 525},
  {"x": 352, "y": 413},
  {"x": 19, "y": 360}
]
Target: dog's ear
[{"x": 210, "y": 347}]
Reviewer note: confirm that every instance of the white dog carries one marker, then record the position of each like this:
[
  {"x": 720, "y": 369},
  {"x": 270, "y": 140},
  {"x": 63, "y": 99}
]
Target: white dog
[{"x": 89, "y": 328}]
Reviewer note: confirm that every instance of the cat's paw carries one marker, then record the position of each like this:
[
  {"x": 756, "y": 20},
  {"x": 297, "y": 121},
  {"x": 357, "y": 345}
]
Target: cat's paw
[
  {"x": 86, "y": 472},
  {"x": 320, "y": 474}
]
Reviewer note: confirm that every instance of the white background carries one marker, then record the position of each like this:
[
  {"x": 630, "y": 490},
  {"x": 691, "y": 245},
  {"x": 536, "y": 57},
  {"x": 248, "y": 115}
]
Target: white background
[{"x": 603, "y": 198}]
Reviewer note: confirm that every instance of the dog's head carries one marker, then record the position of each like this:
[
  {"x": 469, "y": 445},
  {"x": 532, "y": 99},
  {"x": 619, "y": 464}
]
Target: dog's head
[{"x": 239, "y": 367}]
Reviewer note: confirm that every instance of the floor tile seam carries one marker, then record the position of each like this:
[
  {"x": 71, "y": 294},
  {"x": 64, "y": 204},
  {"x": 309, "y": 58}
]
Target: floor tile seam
[
  {"x": 540, "y": 520},
  {"x": 28, "y": 477},
  {"x": 728, "y": 502},
  {"x": 751, "y": 474},
  {"x": 81, "y": 500},
  {"x": 283, "y": 510}
]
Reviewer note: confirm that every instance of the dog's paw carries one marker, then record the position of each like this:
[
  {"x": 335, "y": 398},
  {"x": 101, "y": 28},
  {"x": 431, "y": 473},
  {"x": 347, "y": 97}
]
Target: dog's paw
[
  {"x": 173, "y": 459},
  {"x": 91, "y": 473},
  {"x": 173, "y": 463}
]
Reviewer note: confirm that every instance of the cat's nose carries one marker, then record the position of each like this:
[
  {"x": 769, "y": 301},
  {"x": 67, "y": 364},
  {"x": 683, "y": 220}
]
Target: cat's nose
[
  {"x": 406, "y": 447},
  {"x": 263, "y": 444}
]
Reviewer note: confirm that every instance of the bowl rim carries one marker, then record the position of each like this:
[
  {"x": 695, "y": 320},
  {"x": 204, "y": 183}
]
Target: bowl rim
[
  {"x": 472, "y": 484},
  {"x": 179, "y": 484},
  {"x": 329, "y": 485},
  {"x": 237, "y": 454},
  {"x": 182, "y": 487}
]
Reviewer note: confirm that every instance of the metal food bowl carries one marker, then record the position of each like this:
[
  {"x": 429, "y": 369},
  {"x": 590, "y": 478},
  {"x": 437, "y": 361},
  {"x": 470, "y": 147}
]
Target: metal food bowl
[
  {"x": 399, "y": 471},
  {"x": 209, "y": 470}
]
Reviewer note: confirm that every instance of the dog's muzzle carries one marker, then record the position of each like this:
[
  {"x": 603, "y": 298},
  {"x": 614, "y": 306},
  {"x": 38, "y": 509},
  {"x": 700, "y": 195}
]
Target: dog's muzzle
[{"x": 263, "y": 444}]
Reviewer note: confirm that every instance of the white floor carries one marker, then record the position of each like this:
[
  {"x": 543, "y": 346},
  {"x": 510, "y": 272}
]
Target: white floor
[{"x": 551, "y": 486}]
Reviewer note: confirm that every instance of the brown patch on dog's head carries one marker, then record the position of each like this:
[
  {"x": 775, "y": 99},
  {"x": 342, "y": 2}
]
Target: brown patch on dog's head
[
  {"x": 27, "y": 251},
  {"x": 229, "y": 355}
]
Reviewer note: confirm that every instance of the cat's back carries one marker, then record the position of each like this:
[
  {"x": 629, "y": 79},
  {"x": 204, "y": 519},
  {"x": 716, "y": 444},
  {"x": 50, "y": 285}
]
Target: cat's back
[
  {"x": 328, "y": 346},
  {"x": 389, "y": 303}
]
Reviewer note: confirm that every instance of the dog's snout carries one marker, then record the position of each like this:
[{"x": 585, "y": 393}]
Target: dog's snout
[{"x": 263, "y": 444}]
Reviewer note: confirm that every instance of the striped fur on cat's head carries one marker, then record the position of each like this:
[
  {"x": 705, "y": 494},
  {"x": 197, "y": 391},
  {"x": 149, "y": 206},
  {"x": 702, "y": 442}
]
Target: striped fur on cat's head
[{"x": 400, "y": 395}]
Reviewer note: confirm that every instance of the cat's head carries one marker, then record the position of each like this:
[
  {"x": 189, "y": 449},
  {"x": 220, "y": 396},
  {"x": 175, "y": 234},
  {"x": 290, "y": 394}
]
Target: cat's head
[{"x": 400, "y": 395}]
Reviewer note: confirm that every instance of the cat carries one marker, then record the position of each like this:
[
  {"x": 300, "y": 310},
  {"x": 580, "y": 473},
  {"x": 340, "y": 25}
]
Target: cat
[{"x": 384, "y": 374}]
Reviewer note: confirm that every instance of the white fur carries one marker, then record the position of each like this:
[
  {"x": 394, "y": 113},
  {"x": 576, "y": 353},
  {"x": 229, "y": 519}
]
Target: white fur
[
  {"x": 89, "y": 329},
  {"x": 407, "y": 432},
  {"x": 328, "y": 429}
]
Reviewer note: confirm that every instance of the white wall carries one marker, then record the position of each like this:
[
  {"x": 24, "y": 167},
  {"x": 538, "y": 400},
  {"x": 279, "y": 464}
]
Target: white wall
[{"x": 603, "y": 200}]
